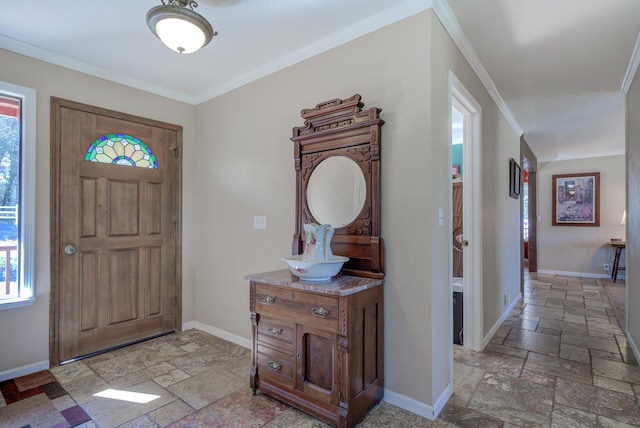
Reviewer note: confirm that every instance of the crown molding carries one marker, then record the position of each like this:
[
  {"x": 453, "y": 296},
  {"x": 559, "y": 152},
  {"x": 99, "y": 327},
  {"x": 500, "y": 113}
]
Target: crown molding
[
  {"x": 71, "y": 63},
  {"x": 373, "y": 23},
  {"x": 577, "y": 156},
  {"x": 451, "y": 24},
  {"x": 359, "y": 29},
  {"x": 632, "y": 68}
]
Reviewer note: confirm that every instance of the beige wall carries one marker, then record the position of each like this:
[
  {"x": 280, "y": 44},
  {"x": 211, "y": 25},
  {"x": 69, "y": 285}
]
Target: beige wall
[
  {"x": 246, "y": 169},
  {"x": 633, "y": 212},
  {"x": 24, "y": 334},
  {"x": 250, "y": 172},
  {"x": 581, "y": 250},
  {"x": 500, "y": 213},
  {"x": 242, "y": 165}
]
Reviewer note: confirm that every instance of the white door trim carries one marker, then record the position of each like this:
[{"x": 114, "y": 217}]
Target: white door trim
[{"x": 472, "y": 214}]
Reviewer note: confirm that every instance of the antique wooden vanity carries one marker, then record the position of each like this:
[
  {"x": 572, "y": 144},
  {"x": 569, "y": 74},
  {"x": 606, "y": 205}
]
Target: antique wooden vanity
[{"x": 318, "y": 346}]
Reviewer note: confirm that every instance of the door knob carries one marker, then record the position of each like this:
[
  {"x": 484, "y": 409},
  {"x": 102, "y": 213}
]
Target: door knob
[
  {"x": 465, "y": 243},
  {"x": 69, "y": 249}
]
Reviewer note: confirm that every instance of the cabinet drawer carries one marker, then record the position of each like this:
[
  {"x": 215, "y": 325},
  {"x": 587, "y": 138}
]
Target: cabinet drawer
[
  {"x": 275, "y": 365},
  {"x": 276, "y": 332},
  {"x": 299, "y": 306}
]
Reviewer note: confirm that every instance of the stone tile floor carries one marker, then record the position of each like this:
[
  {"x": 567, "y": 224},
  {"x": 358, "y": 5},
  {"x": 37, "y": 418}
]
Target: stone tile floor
[{"x": 560, "y": 359}]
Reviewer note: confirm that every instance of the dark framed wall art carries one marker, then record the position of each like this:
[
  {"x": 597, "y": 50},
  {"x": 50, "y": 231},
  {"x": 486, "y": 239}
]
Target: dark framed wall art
[
  {"x": 576, "y": 199},
  {"x": 515, "y": 179}
]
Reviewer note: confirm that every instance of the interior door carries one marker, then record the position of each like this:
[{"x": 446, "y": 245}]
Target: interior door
[{"x": 116, "y": 229}]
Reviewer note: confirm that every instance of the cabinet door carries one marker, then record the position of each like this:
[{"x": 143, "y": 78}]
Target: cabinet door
[{"x": 317, "y": 363}]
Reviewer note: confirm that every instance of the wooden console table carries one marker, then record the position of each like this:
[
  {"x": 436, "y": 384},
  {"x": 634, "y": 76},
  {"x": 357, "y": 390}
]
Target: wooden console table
[{"x": 618, "y": 246}]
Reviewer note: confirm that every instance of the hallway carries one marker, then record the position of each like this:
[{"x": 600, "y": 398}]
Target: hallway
[{"x": 560, "y": 359}]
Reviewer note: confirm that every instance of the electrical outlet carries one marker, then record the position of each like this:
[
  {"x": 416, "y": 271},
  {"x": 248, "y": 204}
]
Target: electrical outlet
[
  {"x": 606, "y": 267},
  {"x": 259, "y": 222}
]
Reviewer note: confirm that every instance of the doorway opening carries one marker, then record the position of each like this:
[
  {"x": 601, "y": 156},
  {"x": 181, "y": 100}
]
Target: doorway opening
[
  {"x": 458, "y": 241},
  {"x": 529, "y": 217},
  {"x": 465, "y": 245},
  {"x": 466, "y": 116}
]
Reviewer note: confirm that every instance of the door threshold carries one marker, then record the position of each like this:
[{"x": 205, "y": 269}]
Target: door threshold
[{"x": 113, "y": 348}]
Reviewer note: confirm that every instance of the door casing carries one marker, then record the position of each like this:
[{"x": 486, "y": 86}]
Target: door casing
[
  {"x": 57, "y": 104},
  {"x": 472, "y": 216}
]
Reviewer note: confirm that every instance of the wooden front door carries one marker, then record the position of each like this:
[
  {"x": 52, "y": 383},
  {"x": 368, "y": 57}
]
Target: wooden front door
[{"x": 115, "y": 229}]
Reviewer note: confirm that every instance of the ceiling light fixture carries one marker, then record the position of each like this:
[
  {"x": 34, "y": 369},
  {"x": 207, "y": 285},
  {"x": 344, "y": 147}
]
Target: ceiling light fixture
[{"x": 179, "y": 27}]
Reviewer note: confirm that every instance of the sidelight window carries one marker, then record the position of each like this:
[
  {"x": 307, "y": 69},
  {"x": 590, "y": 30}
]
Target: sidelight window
[{"x": 17, "y": 195}]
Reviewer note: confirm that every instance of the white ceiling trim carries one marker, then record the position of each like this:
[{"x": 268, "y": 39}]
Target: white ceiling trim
[
  {"x": 634, "y": 63},
  {"x": 348, "y": 34},
  {"x": 451, "y": 24},
  {"x": 65, "y": 61},
  {"x": 356, "y": 30}
]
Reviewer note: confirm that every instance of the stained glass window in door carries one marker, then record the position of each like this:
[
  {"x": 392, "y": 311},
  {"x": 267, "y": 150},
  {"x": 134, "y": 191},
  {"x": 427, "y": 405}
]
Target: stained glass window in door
[{"x": 121, "y": 149}]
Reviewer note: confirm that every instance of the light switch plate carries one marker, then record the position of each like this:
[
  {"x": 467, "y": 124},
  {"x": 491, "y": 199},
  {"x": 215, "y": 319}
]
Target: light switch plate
[{"x": 259, "y": 221}]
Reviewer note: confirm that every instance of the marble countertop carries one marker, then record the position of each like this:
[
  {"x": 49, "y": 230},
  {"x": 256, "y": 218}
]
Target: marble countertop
[{"x": 341, "y": 285}]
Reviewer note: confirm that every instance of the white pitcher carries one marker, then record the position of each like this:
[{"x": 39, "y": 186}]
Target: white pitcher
[{"x": 317, "y": 245}]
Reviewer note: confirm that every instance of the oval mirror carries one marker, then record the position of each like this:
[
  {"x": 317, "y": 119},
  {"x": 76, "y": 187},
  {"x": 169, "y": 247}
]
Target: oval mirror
[{"x": 336, "y": 191}]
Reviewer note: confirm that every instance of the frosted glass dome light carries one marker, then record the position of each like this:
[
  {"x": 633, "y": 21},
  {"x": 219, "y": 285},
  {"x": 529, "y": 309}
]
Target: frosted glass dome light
[{"x": 179, "y": 27}]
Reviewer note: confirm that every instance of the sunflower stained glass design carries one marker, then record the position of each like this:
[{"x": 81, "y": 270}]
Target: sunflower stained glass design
[{"x": 121, "y": 149}]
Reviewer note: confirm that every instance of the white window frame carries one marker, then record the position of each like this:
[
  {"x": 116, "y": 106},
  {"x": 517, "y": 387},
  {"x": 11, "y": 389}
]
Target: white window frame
[{"x": 27, "y": 207}]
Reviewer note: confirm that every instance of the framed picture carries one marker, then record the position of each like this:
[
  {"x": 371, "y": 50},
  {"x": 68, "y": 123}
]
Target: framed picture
[
  {"x": 576, "y": 199},
  {"x": 515, "y": 179}
]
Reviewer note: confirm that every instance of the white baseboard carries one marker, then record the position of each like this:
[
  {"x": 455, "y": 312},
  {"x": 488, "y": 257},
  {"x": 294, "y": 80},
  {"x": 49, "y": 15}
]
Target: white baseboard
[
  {"x": 402, "y": 401},
  {"x": 44, "y": 365},
  {"x": 188, "y": 325},
  {"x": 24, "y": 370},
  {"x": 632, "y": 344},
  {"x": 407, "y": 403},
  {"x": 442, "y": 400},
  {"x": 238, "y": 340},
  {"x": 496, "y": 326},
  {"x": 582, "y": 274},
  {"x": 412, "y": 405}
]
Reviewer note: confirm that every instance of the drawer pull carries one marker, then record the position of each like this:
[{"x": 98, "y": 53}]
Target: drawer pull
[
  {"x": 319, "y": 311},
  {"x": 268, "y": 299},
  {"x": 274, "y": 366},
  {"x": 274, "y": 331}
]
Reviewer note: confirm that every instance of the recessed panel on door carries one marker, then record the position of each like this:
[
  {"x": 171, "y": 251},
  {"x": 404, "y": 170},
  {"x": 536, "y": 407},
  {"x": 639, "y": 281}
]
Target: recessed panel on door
[
  {"x": 155, "y": 288},
  {"x": 124, "y": 282},
  {"x": 88, "y": 290},
  {"x": 89, "y": 211},
  {"x": 123, "y": 208},
  {"x": 154, "y": 207},
  {"x": 318, "y": 362}
]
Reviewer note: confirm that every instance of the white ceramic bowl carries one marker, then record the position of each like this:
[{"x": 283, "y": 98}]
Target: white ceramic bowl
[{"x": 315, "y": 270}]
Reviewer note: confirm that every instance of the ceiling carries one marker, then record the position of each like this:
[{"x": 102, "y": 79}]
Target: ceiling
[
  {"x": 555, "y": 67},
  {"x": 559, "y": 66}
]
